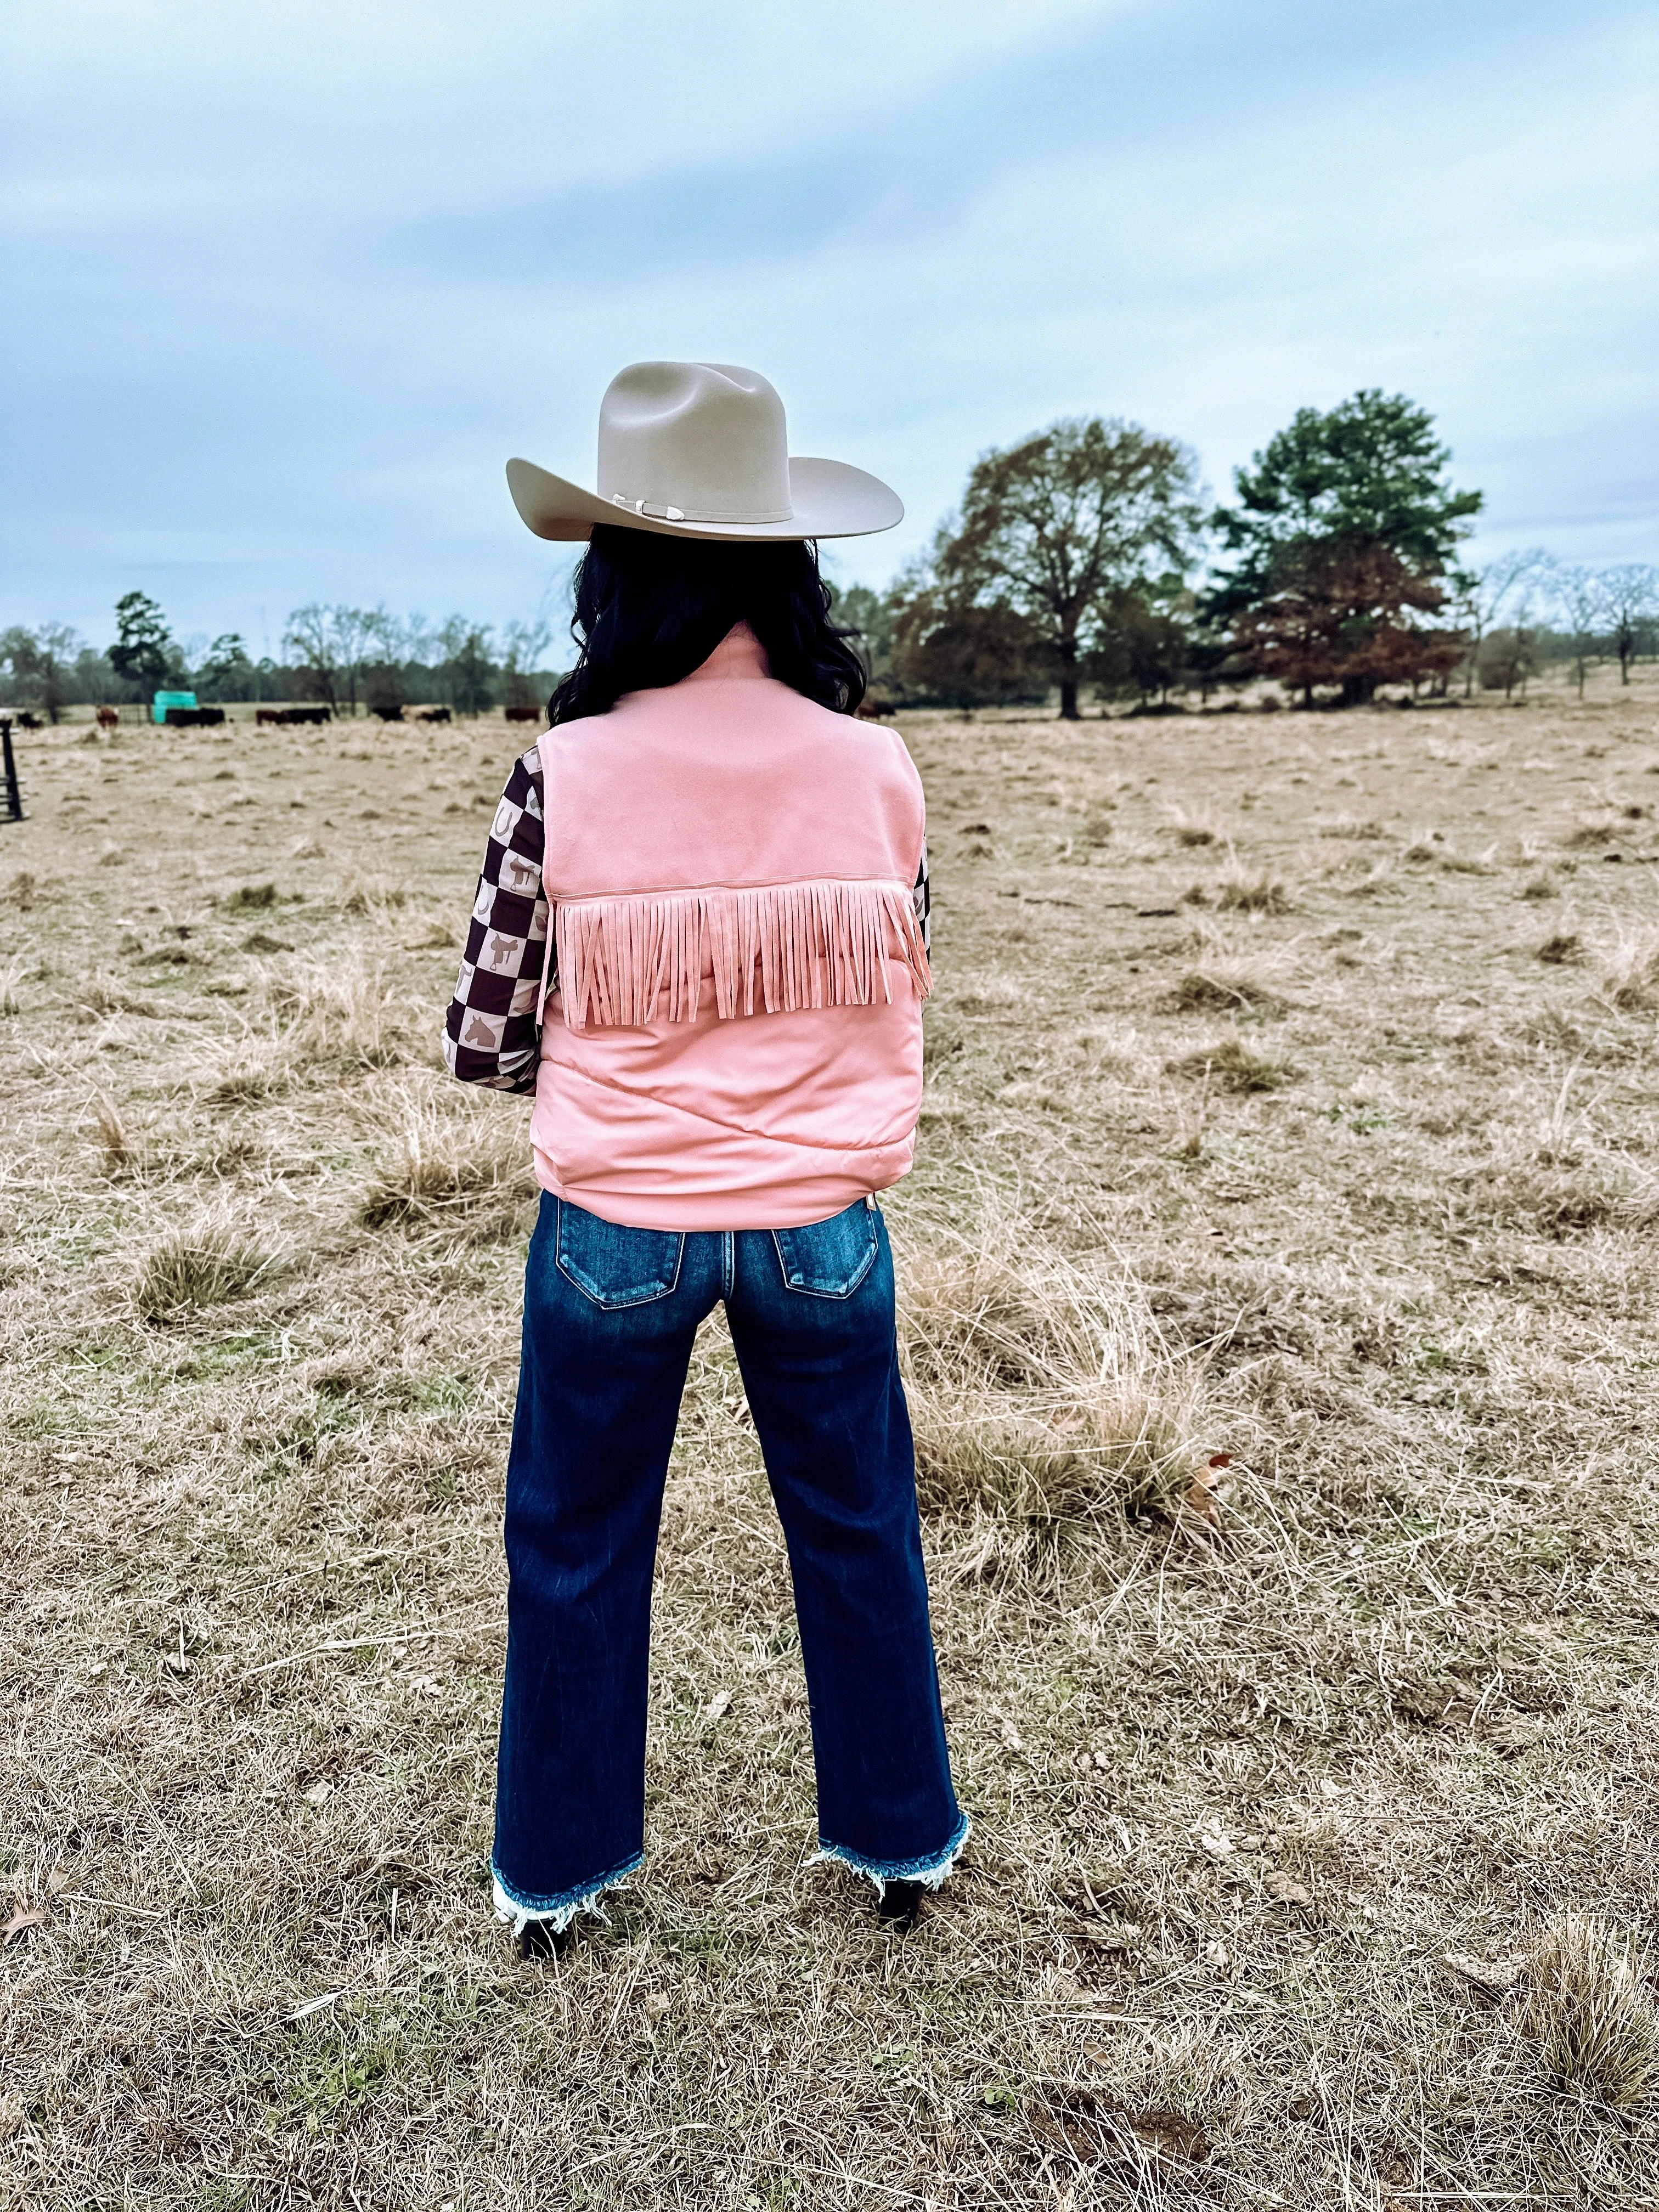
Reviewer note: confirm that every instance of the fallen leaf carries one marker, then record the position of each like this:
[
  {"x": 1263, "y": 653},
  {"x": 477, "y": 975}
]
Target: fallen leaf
[
  {"x": 22, "y": 1917},
  {"x": 318, "y": 1793},
  {"x": 12, "y": 2116},
  {"x": 1498, "y": 1976},
  {"x": 57, "y": 1881},
  {"x": 656, "y": 2004},
  {"x": 717, "y": 1706},
  {"x": 1286, "y": 1888}
]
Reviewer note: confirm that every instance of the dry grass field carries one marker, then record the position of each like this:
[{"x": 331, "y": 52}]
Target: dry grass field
[{"x": 1279, "y": 1275}]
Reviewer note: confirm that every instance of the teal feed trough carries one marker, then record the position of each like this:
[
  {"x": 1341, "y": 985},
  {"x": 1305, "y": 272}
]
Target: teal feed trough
[{"x": 163, "y": 700}]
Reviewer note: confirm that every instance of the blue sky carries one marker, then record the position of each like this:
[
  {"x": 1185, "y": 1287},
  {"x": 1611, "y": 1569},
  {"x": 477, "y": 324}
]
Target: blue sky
[{"x": 284, "y": 287}]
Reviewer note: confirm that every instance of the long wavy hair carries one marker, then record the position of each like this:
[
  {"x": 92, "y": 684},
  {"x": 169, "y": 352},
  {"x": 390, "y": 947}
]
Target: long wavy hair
[{"x": 650, "y": 608}]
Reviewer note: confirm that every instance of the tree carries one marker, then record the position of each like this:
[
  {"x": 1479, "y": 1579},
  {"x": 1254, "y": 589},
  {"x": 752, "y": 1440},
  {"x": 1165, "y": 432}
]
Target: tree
[
  {"x": 310, "y": 638},
  {"x": 1478, "y": 597},
  {"x": 333, "y": 644},
  {"x": 1631, "y": 601},
  {"x": 1509, "y": 655},
  {"x": 466, "y": 667},
  {"x": 143, "y": 652},
  {"x": 1369, "y": 471},
  {"x": 224, "y": 670},
  {"x": 1345, "y": 523},
  {"x": 41, "y": 664},
  {"x": 523, "y": 645},
  {"x": 1578, "y": 599},
  {"x": 966, "y": 656},
  {"x": 1054, "y": 531},
  {"x": 1338, "y": 612}
]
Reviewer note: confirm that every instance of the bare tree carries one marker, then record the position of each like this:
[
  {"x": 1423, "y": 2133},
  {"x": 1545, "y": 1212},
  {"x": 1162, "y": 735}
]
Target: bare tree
[
  {"x": 1630, "y": 599},
  {"x": 1577, "y": 597},
  {"x": 309, "y": 638},
  {"x": 333, "y": 644},
  {"x": 1479, "y": 596},
  {"x": 523, "y": 645}
]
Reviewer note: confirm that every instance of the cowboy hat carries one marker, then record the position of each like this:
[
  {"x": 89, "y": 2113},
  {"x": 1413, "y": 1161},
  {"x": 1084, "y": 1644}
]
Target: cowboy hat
[{"x": 699, "y": 449}]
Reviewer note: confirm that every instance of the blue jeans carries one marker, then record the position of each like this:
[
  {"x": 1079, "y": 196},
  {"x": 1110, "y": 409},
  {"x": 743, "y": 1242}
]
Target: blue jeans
[{"x": 609, "y": 1316}]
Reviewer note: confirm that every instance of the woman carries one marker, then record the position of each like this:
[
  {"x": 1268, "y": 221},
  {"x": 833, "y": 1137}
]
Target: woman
[{"x": 701, "y": 941}]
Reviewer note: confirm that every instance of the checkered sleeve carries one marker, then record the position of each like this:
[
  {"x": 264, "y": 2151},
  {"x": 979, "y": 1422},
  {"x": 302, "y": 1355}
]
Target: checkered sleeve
[{"x": 490, "y": 1034}]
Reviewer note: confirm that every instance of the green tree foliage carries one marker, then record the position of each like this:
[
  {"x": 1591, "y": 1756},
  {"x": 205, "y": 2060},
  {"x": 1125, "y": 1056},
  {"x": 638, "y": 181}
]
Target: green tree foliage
[
  {"x": 224, "y": 670},
  {"x": 1345, "y": 523},
  {"x": 1055, "y": 534},
  {"x": 469, "y": 671},
  {"x": 967, "y": 656},
  {"x": 144, "y": 651},
  {"x": 42, "y": 665},
  {"x": 1371, "y": 471}
]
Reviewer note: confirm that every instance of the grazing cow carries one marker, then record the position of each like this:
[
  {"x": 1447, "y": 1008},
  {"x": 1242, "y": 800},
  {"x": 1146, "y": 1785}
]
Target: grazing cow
[
  {"x": 522, "y": 713},
  {"x": 269, "y": 715},
  {"x": 285, "y": 716},
  {"x": 108, "y": 717},
  {"x": 194, "y": 718},
  {"x": 26, "y": 720},
  {"x": 875, "y": 709},
  {"x": 430, "y": 714}
]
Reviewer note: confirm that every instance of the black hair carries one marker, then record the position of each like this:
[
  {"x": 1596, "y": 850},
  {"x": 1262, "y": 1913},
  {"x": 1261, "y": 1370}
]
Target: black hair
[{"x": 650, "y": 608}]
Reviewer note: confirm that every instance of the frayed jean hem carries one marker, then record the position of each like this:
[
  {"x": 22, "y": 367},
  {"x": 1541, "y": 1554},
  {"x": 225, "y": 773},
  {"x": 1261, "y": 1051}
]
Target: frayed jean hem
[
  {"x": 558, "y": 1911},
  {"x": 929, "y": 1872}
]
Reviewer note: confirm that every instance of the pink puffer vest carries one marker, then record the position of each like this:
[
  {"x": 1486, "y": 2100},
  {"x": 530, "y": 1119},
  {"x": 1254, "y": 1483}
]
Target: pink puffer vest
[{"x": 734, "y": 1041}]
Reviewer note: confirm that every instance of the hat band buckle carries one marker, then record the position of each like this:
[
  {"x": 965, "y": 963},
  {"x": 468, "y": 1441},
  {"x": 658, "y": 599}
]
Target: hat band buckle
[{"x": 655, "y": 511}]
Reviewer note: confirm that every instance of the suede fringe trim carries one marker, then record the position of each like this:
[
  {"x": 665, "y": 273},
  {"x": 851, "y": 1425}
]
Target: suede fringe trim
[{"x": 775, "y": 948}]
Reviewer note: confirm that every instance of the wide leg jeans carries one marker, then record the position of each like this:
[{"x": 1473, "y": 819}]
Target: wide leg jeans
[{"x": 611, "y": 1313}]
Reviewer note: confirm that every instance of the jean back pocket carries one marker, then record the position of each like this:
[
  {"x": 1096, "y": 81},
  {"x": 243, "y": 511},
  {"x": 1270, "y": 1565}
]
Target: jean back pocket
[
  {"x": 829, "y": 1259},
  {"x": 613, "y": 1265}
]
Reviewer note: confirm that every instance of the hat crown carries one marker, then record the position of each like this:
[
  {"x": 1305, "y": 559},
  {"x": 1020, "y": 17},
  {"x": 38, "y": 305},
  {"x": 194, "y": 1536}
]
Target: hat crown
[{"x": 700, "y": 438}]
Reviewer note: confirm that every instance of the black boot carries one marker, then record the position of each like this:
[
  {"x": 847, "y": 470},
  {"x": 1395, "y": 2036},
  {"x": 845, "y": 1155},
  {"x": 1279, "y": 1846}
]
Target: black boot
[
  {"x": 541, "y": 1939},
  {"x": 900, "y": 1907}
]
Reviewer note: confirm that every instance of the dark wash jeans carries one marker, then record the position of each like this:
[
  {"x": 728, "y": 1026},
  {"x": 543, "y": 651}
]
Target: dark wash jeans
[{"x": 609, "y": 1316}]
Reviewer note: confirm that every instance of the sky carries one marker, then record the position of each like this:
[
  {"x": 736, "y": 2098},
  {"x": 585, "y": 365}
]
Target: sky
[{"x": 282, "y": 288}]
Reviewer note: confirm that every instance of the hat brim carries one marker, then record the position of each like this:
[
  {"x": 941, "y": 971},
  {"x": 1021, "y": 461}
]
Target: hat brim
[{"x": 831, "y": 499}]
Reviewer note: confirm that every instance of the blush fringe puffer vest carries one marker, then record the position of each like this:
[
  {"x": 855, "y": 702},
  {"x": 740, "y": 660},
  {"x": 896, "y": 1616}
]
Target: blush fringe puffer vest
[{"x": 734, "y": 1035}]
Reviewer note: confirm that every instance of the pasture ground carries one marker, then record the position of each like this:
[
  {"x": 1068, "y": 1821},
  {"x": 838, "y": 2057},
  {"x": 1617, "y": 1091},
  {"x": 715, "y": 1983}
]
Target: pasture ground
[{"x": 1293, "y": 1104}]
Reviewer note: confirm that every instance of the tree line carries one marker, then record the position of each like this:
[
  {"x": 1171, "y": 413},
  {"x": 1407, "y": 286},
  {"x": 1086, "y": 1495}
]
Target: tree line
[
  {"x": 1084, "y": 561},
  {"x": 350, "y": 658}
]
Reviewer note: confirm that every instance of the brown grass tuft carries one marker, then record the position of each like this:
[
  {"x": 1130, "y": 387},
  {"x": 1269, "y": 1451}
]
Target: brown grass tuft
[
  {"x": 1629, "y": 971},
  {"x": 443, "y": 1160},
  {"x": 340, "y": 1009},
  {"x": 1591, "y": 2016},
  {"x": 1252, "y": 891},
  {"x": 1225, "y": 985},
  {"x": 1562, "y": 946},
  {"x": 207, "y": 1265},
  {"x": 114, "y": 1141},
  {"x": 1042, "y": 1391},
  {"x": 1231, "y": 1066},
  {"x": 1195, "y": 826},
  {"x": 249, "y": 898}
]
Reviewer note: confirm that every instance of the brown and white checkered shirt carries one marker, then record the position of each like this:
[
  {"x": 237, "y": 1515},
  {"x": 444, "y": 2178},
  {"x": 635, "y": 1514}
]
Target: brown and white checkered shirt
[{"x": 489, "y": 1033}]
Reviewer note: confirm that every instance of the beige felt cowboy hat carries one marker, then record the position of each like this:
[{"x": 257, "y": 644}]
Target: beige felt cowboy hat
[{"x": 699, "y": 449}]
